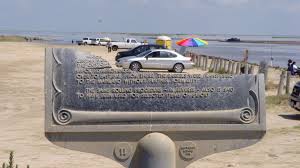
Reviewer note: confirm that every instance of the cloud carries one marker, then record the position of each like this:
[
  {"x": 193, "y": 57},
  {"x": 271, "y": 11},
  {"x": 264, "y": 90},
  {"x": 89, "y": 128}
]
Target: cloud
[
  {"x": 207, "y": 16},
  {"x": 292, "y": 6},
  {"x": 231, "y": 2}
]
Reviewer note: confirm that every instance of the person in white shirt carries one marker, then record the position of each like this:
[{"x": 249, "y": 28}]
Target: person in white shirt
[{"x": 295, "y": 69}]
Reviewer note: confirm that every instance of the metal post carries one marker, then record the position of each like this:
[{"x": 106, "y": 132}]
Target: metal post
[{"x": 155, "y": 150}]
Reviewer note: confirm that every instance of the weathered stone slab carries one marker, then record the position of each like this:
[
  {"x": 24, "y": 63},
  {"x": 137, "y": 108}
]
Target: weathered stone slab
[{"x": 90, "y": 105}]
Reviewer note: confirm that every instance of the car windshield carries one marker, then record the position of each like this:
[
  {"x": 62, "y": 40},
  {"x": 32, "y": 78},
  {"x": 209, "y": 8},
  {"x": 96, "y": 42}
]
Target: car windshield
[
  {"x": 85, "y": 38},
  {"x": 144, "y": 53}
]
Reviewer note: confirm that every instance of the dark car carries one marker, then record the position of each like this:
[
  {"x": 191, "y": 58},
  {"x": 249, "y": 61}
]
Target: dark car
[
  {"x": 295, "y": 97},
  {"x": 137, "y": 50},
  {"x": 233, "y": 40}
]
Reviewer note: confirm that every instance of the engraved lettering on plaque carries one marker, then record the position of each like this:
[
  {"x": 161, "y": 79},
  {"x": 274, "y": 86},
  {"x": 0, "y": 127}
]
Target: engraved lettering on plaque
[{"x": 187, "y": 150}]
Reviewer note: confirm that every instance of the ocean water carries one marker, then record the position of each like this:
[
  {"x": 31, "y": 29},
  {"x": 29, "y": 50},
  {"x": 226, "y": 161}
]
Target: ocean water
[{"x": 280, "y": 53}]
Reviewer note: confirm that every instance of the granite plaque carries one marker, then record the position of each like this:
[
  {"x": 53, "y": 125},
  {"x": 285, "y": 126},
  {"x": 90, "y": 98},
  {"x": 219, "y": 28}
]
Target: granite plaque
[{"x": 93, "y": 108}]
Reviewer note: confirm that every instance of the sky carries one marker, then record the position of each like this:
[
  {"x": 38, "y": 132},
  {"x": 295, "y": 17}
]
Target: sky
[{"x": 244, "y": 17}]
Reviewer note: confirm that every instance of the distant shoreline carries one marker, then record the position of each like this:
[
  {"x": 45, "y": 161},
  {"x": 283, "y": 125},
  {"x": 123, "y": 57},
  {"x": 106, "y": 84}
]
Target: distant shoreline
[
  {"x": 20, "y": 38},
  {"x": 259, "y": 41}
]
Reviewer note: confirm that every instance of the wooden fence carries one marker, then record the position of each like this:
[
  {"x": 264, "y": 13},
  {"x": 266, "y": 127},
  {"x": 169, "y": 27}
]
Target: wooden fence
[{"x": 227, "y": 66}]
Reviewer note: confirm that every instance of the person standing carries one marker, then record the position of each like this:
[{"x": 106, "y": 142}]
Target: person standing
[
  {"x": 109, "y": 46},
  {"x": 290, "y": 67}
]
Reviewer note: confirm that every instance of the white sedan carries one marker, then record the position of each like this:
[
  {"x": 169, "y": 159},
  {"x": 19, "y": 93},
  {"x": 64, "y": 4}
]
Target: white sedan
[{"x": 157, "y": 59}]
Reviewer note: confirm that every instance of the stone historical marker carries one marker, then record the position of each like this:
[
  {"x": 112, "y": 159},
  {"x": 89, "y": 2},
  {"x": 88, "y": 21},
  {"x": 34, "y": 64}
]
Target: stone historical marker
[{"x": 146, "y": 119}]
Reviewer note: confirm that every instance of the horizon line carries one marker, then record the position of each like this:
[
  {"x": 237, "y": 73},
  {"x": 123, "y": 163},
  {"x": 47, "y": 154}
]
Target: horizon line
[{"x": 148, "y": 33}]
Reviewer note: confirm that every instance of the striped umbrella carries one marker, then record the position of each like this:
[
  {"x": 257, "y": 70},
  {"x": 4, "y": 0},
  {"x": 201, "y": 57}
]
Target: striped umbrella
[{"x": 192, "y": 42}]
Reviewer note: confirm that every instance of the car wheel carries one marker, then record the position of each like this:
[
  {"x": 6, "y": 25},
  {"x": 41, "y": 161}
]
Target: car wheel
[
  {"x": 178, "y": 68},
  {"x": 85, "y": 43},
  {"x": 114, "y": 48},
  {"x": 135, "y": 66}
]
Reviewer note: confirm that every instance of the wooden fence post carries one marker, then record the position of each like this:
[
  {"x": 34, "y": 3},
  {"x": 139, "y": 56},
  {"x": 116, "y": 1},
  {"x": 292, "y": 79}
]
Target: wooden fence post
[
  {"x": 281, "y": 83},
  {"x": 192, "y": 56},
  {"x": 200, "y": 61},
  {"x": 212, "y": 63},
  {"x": 251, "y": 69},
  {"x": 233, "y": 68},
  {"x": 263, "y": 68},
  {"x": 196, "y": 60},
  {"x": 238, "y": 68},
  {"x": 217, "y": 65},
  {"x": 288, "y": 82},
  {"x": 225, "y": 66},
  {"x": 229, "y": 66},
  {"x": 205, "y": 63},
  {"x": 220, "y": 65},
  {"x": 246, "y": 68}
]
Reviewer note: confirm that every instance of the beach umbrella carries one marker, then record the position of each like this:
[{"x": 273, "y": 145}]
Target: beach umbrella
[{"x": 192, "y": 42}]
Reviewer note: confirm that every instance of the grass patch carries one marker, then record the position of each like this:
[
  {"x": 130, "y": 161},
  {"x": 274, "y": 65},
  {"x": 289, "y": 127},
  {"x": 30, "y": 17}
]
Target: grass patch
[
  {"x": 11, "y": 162},
  {"x": 12, "y": 38},
  {"x": 277, "y": 100},
  {"x": 221, "y": 71},
  {"x": 270, "y": 85},
  {"x": 4, "y": 38},
  {"x": 297, "y": 127}
]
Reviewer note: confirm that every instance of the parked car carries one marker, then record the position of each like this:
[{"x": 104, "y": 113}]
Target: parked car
[
  {"x": 127, "y": 44},
  {"x": 103, "y": 41},
  {"x": 156, "y": 59},
  {"x": 137, "y": 50},
  {"x": 294, "y": 100},
  {"x": 79, "y": 42},
  {"x": 87, "y": 41},
  {"x": 95, "y": 41}
]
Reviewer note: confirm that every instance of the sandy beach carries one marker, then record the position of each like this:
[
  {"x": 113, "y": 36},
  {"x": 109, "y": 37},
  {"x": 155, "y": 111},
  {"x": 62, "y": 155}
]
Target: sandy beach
[{"x": 22, "y": 120}]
